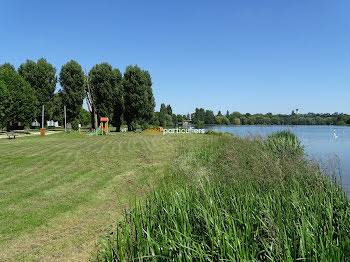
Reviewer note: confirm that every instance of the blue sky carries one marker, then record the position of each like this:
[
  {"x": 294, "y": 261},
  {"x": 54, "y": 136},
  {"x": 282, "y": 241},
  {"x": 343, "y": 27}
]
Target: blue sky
[{"x": 246, "y": 56}]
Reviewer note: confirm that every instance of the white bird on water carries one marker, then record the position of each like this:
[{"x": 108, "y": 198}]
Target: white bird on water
[{"x": 335, "y": 135}]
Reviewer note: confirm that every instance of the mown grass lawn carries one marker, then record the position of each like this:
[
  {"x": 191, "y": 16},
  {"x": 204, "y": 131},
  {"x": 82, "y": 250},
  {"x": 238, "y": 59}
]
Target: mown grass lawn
[{"x": 60, "y": 192}]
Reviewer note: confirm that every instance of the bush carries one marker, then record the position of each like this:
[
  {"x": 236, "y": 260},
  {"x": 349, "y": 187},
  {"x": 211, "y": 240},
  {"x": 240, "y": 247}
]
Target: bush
[
  {"x": 199, "y": 124},
  {"x": 144, "y": 126},
  {"x": 84, "y": 117},
  {"x": 341, "y": 123},
  {"x": 215, "y": 133},
  {"x": 75, "y": 125}
]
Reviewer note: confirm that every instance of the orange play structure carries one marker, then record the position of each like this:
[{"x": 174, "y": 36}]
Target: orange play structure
[
  {"x": 104, "y": 125},
  {"x": 103, "y": 128}
]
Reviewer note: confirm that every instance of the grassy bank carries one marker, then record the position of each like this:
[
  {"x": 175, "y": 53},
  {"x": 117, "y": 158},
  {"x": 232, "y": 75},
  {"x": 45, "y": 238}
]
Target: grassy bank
[
  {"x": 232, "y": 199},
  {"x": 59, "y": 193}
]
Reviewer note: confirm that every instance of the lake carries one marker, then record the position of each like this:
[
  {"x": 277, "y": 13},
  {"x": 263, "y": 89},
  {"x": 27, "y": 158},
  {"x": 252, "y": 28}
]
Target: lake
[{"x": 329, "y": 144}]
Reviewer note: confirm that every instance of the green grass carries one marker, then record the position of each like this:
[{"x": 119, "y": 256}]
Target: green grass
[
  {"x": 198, "y": 198},
  {"x": 60, "y": 192},
  {"x": 232, "y": 199},
  {"x": 285, "y": 142}
]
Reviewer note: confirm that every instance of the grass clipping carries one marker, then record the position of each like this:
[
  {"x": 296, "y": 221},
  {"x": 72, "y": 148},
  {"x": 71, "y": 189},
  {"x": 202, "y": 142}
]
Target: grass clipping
[{"x": 237, "y": 199}]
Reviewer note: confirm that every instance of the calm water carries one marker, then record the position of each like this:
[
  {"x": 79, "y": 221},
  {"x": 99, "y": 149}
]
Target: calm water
[{"x": 319, "y": 142}]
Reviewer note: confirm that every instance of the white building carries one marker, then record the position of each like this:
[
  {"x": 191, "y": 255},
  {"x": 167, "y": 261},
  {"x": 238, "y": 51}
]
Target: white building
[
  {"x": 35, "y": 123},
  {"x": 52, "y": 123},
  {"x": 48, "y": 123}
]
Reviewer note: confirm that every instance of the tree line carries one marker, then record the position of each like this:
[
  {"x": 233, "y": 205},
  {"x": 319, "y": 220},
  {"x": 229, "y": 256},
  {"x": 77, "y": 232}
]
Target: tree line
[
  {"x": 166, "y": 118},
  {"x": 207, "y": 117},
  {"x": 121, "y": 97}
]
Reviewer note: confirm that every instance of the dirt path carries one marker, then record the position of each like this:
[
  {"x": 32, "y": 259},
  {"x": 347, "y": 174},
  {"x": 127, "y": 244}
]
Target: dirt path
[{"x": 20, "y": 134}]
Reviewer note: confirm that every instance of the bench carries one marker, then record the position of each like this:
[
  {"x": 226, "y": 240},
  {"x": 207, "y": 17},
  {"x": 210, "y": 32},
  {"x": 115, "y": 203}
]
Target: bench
[{"x": 11, "y": 135}]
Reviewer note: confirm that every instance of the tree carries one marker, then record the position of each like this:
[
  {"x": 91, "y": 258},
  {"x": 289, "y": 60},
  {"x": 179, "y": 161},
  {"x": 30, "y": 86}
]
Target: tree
[
  {"x": 222, "y": 120},
  {"x": 72, "y": 83},
  {"x": 118, "y": 107},
  {"x": 138, "y": 96},
  {"x": 8, "y": 66},
  {"x": 244, "y": 120},
  {"x": 56, "y": 109},
  {"x": 84, "y": 117},
  {"x": 150, "y": 103},
  {"x": 237, "y": 121},
  {"x": 198, "y": 116},
  {"x": 174, "y": 120},
  {"x": 169, "y": 121},
  {"x": 41, "y": 76},
  {"x": 155, "y": 119},
  {"x": 103, "y": 81},
  {"x": 218, "y": 120},
  {"x": 5, "y": 103},
  {"x": 169, "y": 110},
  {"x": 162, "y": 115},
  {"x": 179, "y": 118},
  {"x": 23, "y": 102},
  {"x": 209, "y": 117},
  {"x": 90, "y": 101},
  {"x": 225, "y": 120},
  {"x": 233, "y": 116}
]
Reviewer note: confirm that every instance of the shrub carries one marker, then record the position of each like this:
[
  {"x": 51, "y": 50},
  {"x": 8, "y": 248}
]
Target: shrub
[
  {"x": 199, "y": 124},
  {"x": 215, "y": 133},
  {"x": 145, "y": 126},
  {"x": 75, "y": 125}
]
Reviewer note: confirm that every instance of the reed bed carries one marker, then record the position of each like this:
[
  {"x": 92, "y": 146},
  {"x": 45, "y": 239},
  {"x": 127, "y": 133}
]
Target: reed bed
[{"x": 236, "y": 199}]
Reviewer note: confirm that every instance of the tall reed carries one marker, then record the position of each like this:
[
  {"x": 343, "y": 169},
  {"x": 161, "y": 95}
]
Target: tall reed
[{"x": 237, "y": 200}]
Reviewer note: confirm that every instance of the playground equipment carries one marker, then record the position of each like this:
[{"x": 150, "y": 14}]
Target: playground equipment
[{"x": 103, "y": 128}]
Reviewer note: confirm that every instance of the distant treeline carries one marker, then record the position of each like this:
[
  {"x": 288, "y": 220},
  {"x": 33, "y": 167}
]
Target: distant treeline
[
  {"x": 207, "y": 117},
  {"x": 125, "y": 98}
]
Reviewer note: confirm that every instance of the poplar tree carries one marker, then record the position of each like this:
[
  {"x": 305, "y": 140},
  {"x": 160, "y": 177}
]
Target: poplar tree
[
  {"x": 103, "y": 82},
  {"x": 20, "y": 103},
  {"x": 72, "y": 83},
  {"x": 162, "y": 115},
  {"x": 138, "y": 96},
  {"x": 41, "y": 76},
  {"x": 5, "y": 103},
  {"x": 118, "y": 106}
]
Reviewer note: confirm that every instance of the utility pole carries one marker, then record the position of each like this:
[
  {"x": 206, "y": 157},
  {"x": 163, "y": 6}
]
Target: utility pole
[
  {"x": 65, "y": 120},
  {"x": 42, "y": 118},
  {"x": 42, "y": 129}
]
